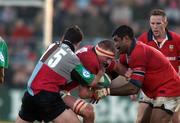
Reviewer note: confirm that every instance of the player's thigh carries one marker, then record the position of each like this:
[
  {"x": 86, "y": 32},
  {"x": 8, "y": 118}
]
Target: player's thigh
[
  {"x": 143, "y": 108},
  {"x": 160, "y": 116},
  {"x": 68, "y": 116},
  {"x": 176, "y": 115},
  {"x": 163, "y": 109},
  {"x": 144, "y": 113},
  {"x": 19, "y": 120}
]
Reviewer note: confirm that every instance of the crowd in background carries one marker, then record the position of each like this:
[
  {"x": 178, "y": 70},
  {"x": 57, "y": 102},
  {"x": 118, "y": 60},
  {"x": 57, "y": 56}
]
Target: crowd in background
[{"x": 22, "y": 27}]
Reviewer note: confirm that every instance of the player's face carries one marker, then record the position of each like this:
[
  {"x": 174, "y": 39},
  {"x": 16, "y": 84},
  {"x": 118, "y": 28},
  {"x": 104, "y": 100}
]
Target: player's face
[
  {"x": 158, "y": 25},
  {"x": 77, "y": 46},
  {"x": 104, "y": 61},
  {"x": 120, "y": 44}
]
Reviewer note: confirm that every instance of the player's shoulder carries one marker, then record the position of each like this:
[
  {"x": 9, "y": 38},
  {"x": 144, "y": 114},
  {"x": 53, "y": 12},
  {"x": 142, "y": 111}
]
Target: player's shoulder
[
  {"x": 141, "y": 47},
  {"x": 85, "y": 49},
  {"x": 144, "y": 34},
  {"x": 174, "y": 35},
  {"x": 143, "y": 37},
  {"x": 2, "y": 40}
]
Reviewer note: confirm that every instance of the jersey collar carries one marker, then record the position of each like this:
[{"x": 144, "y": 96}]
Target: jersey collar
[
  {"x": 67, "y": 42},
  {"x": 150, "y": 35},
  {"x": 133, "y": 44}
]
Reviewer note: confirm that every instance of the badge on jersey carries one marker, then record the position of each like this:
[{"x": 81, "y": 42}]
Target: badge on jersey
[
  {"x": 171, "y": 48},
  {"x": 85, "y": 73}
]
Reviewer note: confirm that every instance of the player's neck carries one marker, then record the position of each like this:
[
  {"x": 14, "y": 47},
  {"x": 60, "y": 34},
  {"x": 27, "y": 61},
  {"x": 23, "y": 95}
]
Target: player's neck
[{"x": 160, "y": 38}]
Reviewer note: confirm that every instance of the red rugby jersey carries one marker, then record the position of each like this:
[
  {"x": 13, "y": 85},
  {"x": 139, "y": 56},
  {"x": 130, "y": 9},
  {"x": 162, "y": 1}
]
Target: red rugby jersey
[
  {"x": 170, "y": 48},
  {"x": 89, "y": 60},
  {"x": 152, "y": 71}
]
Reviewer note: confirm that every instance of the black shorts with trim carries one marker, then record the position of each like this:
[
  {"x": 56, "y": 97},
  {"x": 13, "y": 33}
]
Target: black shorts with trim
[{"x": 44, "y": 106}]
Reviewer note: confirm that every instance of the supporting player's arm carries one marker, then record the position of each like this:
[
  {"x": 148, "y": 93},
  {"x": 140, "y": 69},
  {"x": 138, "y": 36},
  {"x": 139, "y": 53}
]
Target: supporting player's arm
[
  {"x": 1, "y": 75},
  {"x": 85, "y": 92},
  {"x": 119, "y": 87},
  {"x": 85, "y": 78},
  {"x": 123, "y": 87}
]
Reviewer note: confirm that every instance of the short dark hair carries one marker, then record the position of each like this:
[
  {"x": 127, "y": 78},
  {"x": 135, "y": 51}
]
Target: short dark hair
[
  {"x": 73, "y": 34},
  {"x": 124, "y": 30},
  {"x": 156, "y": 12},
  {"x": 107, "y": 45}
]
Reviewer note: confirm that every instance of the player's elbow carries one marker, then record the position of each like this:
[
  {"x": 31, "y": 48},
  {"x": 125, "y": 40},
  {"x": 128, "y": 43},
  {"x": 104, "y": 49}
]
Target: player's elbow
[
  {"x": 134, "y": 86},
  {"x": 134, "y": 90}
]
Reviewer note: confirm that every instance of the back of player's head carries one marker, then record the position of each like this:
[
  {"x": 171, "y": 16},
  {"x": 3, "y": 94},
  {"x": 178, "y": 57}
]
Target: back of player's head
[
  {"x": 158, "y": 12},
  {"x": 107, "y": 45},
  {"x": 105, "y": 48},
  {"x": 123, "y": 31},
  {"x": 73, "y": 34}
]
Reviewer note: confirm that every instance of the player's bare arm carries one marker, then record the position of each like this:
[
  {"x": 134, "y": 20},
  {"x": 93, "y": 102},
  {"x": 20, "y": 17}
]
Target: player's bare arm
[
  {"x": 1, "y": 75},
  {"x": 122, "y": 87}
]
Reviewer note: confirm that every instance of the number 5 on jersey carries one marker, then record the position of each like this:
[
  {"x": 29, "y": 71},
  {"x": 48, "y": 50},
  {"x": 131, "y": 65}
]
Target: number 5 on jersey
[{"x": 56, "y": 58}]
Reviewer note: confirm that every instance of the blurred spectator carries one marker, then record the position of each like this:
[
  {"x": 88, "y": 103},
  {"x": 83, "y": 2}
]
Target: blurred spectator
[
  {"x": 9, "y": 15},
  {"x": 21, "y": 31},
  {"x": 98, "y": 3},
  {"x": 121, "y": 14},
  {"x": 173, "y": 12},
  {"x": 94, "y": 24},
  {"x": 2, "y": 30},
  {"x": 20, "y": 77}
]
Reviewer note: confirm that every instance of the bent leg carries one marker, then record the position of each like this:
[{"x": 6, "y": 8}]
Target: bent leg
[
  {"x": 68, "y": 116},
  {"x": 81, "y": 108},
  {"x": 19, "y": 120},
  {"x": 176, "y": 116},
  {"x": 144, "y": 113},
  {"x": 88, "y": 114},
  {"x": 160, "y": 116}
]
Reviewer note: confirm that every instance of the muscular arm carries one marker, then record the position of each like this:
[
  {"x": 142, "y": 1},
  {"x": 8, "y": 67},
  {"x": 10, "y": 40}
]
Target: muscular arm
[
  {"x": 84, "y": 77},
  {"x": 120, "y": 69},
  {"x": 85, "y": 92},
  {"x": 121, "y": 87}
]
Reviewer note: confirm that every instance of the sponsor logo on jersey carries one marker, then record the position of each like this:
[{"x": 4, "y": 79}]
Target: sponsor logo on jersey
[
  {"x": 171, "y": 48},
  {"x": 86, "y": 73}
]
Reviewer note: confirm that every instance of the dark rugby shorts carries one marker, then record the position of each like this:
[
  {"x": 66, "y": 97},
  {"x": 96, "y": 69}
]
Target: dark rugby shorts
[{"x": 44, "y": 106}]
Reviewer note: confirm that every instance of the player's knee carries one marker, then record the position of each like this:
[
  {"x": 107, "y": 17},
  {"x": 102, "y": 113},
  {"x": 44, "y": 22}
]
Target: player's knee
[
  {"x": 176, "y": 118},
  {"x": 138, "y": 120},
  {"x": 89, "y": 112}
]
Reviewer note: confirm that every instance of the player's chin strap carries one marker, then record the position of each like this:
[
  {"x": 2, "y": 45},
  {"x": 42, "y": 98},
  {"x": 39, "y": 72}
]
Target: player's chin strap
[
  {"x": 79, "y": 105},
  {"x": 102, "y": 52}
]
